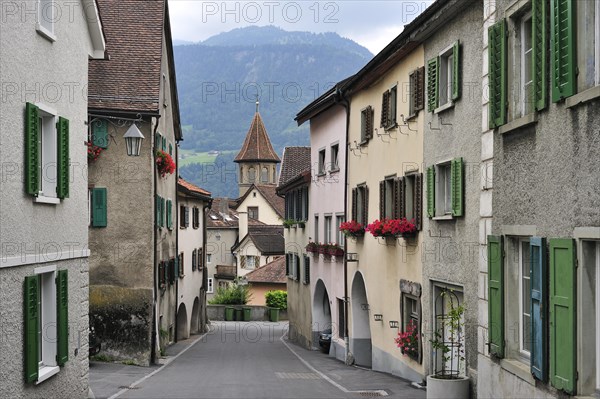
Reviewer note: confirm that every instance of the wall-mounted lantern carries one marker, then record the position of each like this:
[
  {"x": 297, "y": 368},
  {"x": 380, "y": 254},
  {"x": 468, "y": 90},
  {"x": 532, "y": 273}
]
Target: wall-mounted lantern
[{"x": 133, "y": 139}]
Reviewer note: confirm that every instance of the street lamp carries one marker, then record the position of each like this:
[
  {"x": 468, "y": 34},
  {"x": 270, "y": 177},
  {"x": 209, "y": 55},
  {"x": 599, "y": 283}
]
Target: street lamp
[{"x": 133, "y": 139}]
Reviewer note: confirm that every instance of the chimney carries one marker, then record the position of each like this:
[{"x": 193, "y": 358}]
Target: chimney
[
  {"x": 242, "y": 224},
  {"x": 224, "y": 206}
]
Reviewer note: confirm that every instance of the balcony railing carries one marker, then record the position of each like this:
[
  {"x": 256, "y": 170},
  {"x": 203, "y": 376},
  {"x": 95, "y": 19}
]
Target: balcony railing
[{"x": 225, "y": 272}]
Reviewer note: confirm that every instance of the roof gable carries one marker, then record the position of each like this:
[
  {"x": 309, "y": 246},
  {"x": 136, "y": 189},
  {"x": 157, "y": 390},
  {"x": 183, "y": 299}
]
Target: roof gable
[
  {"x": 269, "y": 193},
  {"x": 296, "y": 160}
]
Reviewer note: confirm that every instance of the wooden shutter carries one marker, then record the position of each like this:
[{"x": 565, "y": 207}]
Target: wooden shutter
[
  {"x": 365, "y": 206},
  {"x": 385, "y": 107},
  {"x": 418, "y": 90},
  {"x": 32, "y": 150},
  {"x": 164, "y": 144},
  {"x": 297, "y": 266},
  {"x": 287, "y": 265},
  {"x": 162, "y": 212},
  {"x": 539, "y": 319},
  {"x": 100, "y": 133},
  {"x": 538, "y": 64},
  {"x": 564, "y": 79},
  {"x": 495, "y": 258},
  {"x": 242, "y": 261},
  {"x": 99, "y": 207},
  {"x": 354, "y": 204},
  {"x": 194, "y": 260},
  {"x": 456, "y": 82},
  {"x": 169, "y": 214},
  {"x": 200, "y": 261},
  {"x": 457, "y": 186},
  {"x": 31, "y": 327},
  {"x": 306, "y": 270},
  {"x": 170, "y": 149},
  {"x": 393, "y": 106},
  {"x": 397, "y": 199},
  {"x": 432, "y": 84},
  {"x": 370, "y": 122},
  {"x": 382, "y": 199},
  {"x": 161, "y": 273},
  {"x": 563, "y": 317},
  {"x": 431, "y": 191},
  {"x": 497, "y": 74},
  {"x": 62, "y": 164},
  {"x": 187, "y": 216},
  {"x": 62, "y": 317},
  {"x": 418, "y": 201}
]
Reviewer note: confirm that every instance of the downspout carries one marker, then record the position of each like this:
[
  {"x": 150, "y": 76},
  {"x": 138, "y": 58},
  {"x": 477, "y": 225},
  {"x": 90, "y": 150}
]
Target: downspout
[
  {"x": 205, "y": 210},
  {"x": 341, "y": 99},
  {"x": 155, "y": 337},
  {"x": 176, "y": 228}
]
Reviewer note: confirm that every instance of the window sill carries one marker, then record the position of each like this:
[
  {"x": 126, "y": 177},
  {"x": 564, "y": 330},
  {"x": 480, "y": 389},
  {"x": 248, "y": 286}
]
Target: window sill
[
  {"x": 363, "y": 143},
  {"x": 321, "y": 174},
  {"x": 583, "y": 97},
  {"x": 445, "y": 217},
  {"x": 46, "y": 200},
  {"x": 519, "y": 369},
  {"x": 390, "y": 127},
  {"x": 444, "y": 107},
  {"x": 332, "y": 171},
  {"x": 46, "y": 372},
  {"x": 527, "y": 120},
  {"x": 45, "y": 33}
]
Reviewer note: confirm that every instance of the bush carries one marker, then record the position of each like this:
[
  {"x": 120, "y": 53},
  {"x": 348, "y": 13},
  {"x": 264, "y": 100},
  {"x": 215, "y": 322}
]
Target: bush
[
  {"x": 277, "y": 299},
  {"x": 235, "y": 294}
]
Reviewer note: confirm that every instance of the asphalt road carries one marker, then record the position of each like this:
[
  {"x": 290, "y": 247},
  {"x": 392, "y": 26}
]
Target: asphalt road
[{"x": 250, "y": 360}]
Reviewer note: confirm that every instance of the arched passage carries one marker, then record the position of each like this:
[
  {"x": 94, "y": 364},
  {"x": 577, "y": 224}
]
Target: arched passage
[
  {"x": 194, "y": 327},
  {"x": 182, "y": 323},
  {"x": 321, "y": 309},
  {"x": 360, "y": 342}
]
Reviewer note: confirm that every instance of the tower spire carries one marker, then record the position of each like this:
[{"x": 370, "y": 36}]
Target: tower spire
[{"x": 257, "y": 103}]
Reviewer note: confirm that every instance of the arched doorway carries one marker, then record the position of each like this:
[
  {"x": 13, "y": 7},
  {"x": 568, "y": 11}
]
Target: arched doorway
[
  {"x": 182, "y": 324},
  {"x": 321, "y": 311},
  {"x": 194, "y": 327},
  {"x": 360, "y": 342}
]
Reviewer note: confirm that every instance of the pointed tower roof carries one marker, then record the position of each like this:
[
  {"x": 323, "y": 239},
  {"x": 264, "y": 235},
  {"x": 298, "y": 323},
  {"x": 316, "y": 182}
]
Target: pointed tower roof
[{"x": 257, "y": 146}]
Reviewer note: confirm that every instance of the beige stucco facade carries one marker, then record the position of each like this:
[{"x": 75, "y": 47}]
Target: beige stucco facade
[
  {"x": 258, "y": 291},
  {"x": 382, "y": 263},
  {"x": 266, "y": 213}
]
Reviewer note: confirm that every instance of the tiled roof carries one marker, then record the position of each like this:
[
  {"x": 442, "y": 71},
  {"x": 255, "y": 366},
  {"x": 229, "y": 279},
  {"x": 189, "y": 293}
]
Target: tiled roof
[
  {"x": 269, "y": 192},
  {"x": 268, "y": 239},
  {"x": 272, "y": 272},
  {"x": 191, "y": 187},
  {"x": 222, "y": 214},
  {"x": 130, "y": 79},
  {"x": 296, "y": 160},
  {"x": 257, "y": 146}
]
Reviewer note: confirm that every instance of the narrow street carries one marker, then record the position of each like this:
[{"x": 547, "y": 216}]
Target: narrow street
[{"x": 246, "y": 360}]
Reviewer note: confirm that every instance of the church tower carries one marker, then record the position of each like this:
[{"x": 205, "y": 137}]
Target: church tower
[{"x": 257, "y": 159}]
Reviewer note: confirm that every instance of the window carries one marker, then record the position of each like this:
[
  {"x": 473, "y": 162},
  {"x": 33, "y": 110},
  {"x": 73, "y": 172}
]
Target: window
[
  {"x": 341, "y": 318},
  {"x": 339, "y": 219},
  {"x": 335, "y": 149},
  {"x": 411, "y": 320},
  {"x": 253, "y": 212},
  {"x": 194, "y": 260},
  {"x": 170, "y": 215},
  {"x": 526, "y": 53},
  {"x": 321, "y": 162},
  {"x": 46, "y": 18},
  {"x": 415, "y": 91},
  {"x": 98, "y": 207},
  {"x": 366, "y": 124},
  {"x": 590, "y": 294},
  {"x": 208, "y": 258},
  {"x": 46, "y": 154},
  {"x": 443, "y": 78},
  {"x": 306, "y": 279},
  {"x": 249, "y": 262},
  {"x": 389, "y": 108},
  {"x": 387, "y": 198},
  {"x": 184, "y": 215},
  {"x": 264, "y": 175},
  {"x": 524, "y": 298},
  {"x": 251, "y": 174},
  {"x": 200, "y": 261},
  {"x": 445, "y": 183},
  {"x": 588, "y": 44},
  {"x": 46, "y": 323},
  {"x": 196, "y": 217},
  {"x": 210, "y": 288},
  {"x": 159, "y": 208},
  {"x": 327, "y": 229},
  {"x": 316, "y": 228},
  {"x": 179, "y": 270},
  {"x": 360, "y": 204},
  {"x": 292, "y": 266},
  {"x": 290, "y": 205}
]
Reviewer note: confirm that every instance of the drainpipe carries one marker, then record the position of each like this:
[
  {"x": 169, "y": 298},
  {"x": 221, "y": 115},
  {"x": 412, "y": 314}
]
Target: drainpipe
[
  {"x": 154, "y": 338},
  {"x": 341, "y": 99},
  {"x": 176, "y": 228},
  {"x": 204, "y": 287}
]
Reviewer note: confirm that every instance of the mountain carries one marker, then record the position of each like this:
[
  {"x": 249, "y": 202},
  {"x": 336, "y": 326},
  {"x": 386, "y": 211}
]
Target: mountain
[{"x": 218, "y": 81}]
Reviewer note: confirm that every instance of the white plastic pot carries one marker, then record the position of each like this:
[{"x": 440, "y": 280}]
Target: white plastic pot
[{"x": 439, "y": 388}]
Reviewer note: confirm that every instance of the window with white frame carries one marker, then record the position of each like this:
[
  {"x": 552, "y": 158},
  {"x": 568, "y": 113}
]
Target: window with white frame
[
  {"x": 253, "y": 212},
  {"x": 444, "y": 189},
  {"x": 446, "y": 76},
  {"x": 250, "y": 262},
  {"x": 411, "y": 197},
  {"x": 48, "y": 152},
  {"x": 327, "y": 228},
  {"x": 210, "y": 288},
  {"x": 335, "y": 149},
  {"x": 340, "y": 235},
  {"x": 526, "y": 54},
  {"x": 524, "y": 298},
  {"x": 46, "y": 17},
  {"x": 588, "y": 44},
  {"x": 321, "y": 170},
  {"x": 590, "y": 295}
]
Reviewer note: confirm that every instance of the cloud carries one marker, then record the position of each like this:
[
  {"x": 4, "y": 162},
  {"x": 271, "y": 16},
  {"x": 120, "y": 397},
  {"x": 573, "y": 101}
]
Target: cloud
[{"x": 372, "y": 24}]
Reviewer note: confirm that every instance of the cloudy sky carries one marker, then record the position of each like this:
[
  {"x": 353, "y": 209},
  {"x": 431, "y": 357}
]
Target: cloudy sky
[{"x": 371, "y": 23}]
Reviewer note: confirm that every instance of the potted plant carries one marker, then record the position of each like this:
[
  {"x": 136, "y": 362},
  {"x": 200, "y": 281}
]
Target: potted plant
[
  {"x": 312, "y": 247},
  {"x": 287, "y": 223},
  {"x": 301, "y": 223},
  {"x": 352, "y": 229},
  {"x": 276, "y": 301},
  {"x": 408, "y": 341},
  {"x": 447, "y": 381},
  {"x": 93, "y": 151},
  {"x": 164, "y": 163},
  {"x": 335, "y": 250}
]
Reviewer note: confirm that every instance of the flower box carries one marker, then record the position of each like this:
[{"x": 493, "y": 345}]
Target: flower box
[
  {"x": 336, "y": 252},
  {"x": 392, "y": 228},
  {"x": 312, "y": 247},
  {"x": 164, "y": 163},
  {"x": 352, "y": 229}
]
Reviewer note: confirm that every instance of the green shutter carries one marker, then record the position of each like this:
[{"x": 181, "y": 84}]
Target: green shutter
[
  {"x": 157, "y": 210},
  {"x": 497, "y": 74},
  {"x": 99, "y": 207},
  {"x": 169, "y": 210},
  {"x": 170, "y": 149},
  {"x": 177, "y": 273},
  {"x": 164, "y": 144},
  {"x": 456, "y": 83},
  {"x": 432, "y": 84},
  {"x": 62, "y": 317},
  {"x": 457, "y": 189},
  {"x": 431, "y": 191},
  {"x": 100, "y": 133},
  {"x": 162, "y": 212},
  {"x": 62, "y": 164},
  {"x": 31, "y": 312},
  {"x": 32, "y": 149},
  {"x": 563, "y": 318},
  {"x": 563, "y": 49},
  {"x": 538, "y": 65},
  {"x": 495, "y": 259},
  {"x": 538, "y": 274}
]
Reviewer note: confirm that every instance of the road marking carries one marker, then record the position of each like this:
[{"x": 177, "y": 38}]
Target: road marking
[
  {"x": 144, "y": 378},
  {"x": 374, "y": 392},
  {"x": 297, "y": 376}
]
